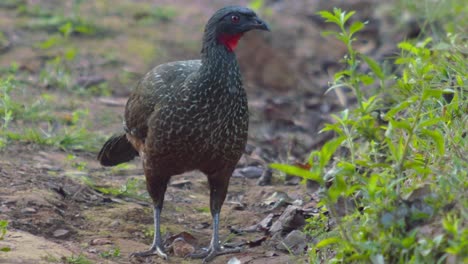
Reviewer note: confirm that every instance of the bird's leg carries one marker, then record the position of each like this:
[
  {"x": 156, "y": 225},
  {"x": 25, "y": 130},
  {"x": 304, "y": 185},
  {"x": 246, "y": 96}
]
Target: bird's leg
[
  {"x": 156, "y": 183},
  {"x": 218, "y": 189},
  {"x": 215, "y": 248},
  {"x": 157, "y": 247}
]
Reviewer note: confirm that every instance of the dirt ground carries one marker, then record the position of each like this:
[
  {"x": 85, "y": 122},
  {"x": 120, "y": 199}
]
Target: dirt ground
[{"x": 53, "y": 211}]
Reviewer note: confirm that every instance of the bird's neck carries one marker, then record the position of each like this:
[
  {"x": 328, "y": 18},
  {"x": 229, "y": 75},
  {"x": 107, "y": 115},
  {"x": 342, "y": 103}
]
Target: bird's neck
[{"x": 220, "y": 67}]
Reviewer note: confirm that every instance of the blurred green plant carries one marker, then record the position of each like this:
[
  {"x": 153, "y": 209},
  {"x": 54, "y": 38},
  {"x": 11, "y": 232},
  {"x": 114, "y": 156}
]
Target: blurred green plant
[
  {"x": 6, "y": 103},
  {"x": 80, "y": 259},
  {"x": 54, "y": 21},
  {"x": 3, "y": 230},
  {"x": 133, "y": 188},
  {"x": 111, "y": 253},
  {"x": 399, "y": 158}
]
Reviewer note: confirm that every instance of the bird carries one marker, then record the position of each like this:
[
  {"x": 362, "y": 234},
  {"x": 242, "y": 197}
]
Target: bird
[{"x": 190, "y": 116}]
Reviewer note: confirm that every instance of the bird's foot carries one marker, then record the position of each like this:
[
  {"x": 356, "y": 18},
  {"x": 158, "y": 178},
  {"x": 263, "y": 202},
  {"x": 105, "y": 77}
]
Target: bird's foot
[
  {"x": 154, "y": 250},
  {"x": 211, "y": 253}
]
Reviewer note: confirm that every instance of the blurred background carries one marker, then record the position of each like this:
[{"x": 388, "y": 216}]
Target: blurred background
[{"x": 68, "y": 67}]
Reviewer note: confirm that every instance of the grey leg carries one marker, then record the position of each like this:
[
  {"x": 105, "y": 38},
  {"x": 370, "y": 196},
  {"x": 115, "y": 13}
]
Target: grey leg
[
  {"x": 157, "y": 246},
  {"x": 219, "y": 182}
]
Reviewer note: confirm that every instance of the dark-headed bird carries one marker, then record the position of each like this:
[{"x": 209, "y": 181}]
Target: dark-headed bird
[{"x": 190, "y": 115}]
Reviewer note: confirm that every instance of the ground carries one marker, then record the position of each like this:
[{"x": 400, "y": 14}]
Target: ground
[{"x": 62, "y": 206}]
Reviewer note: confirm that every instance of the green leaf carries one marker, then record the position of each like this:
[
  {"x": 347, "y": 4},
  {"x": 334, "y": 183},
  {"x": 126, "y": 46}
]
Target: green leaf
[
  {"x": 66, "y": 29},
  {"x": 404, "y": 124},
  {"x": 329, "y": 149},
  {"x": 343, "y": 38},
  {"x": 70, "y": 54},
  {"x": 296, "y": 171},
  {"x": 369, "y": 104},
  {"x": 430, "y": 122},
  {"x": 408, "y": 47},
  {"x": 50, "y": 42},
  {"x": 329, "y": 17},
  {"x": 5, "y": 249},
  {"x": 408, "y": 242},
  {"x": 328, "y": 241},
  {"x": 460, "y": 81},
  {"x": 435, "y": 93},
  {"x": 436, "y": 135},
  {"x": 374, "y": 66},
  {"x": 356, "y": 27},
  {"x": 401, "y": 106},
  {"x": 256, "y": 4},
  {"x": 347, "y": 16},
  {"x": 366, "y": 79},
  {"x": 372, "y": 183}
]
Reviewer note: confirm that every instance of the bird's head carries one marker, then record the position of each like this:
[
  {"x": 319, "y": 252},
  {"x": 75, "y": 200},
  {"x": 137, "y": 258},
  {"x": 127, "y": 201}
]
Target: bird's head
[{"x": 228, "y": 25}]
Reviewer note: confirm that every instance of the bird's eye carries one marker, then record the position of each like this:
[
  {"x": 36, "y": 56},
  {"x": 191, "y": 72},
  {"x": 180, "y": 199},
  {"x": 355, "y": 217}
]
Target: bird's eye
[{"x": 235, "y": 19}]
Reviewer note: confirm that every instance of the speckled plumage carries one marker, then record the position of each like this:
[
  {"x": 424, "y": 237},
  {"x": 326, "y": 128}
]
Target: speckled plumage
[
  {"x": 195, "y": 111},
  {"x": 190, "y": 115}
]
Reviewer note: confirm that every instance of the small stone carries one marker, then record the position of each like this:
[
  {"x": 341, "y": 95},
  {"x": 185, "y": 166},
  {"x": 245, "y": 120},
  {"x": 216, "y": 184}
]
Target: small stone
[
  {"x": 182, "y": 248},
  {"x": 298, "y": 202},
  {"x": 266, "y": 222},
  {"x": 294, "y": 242},
  {"x": 277, "y": 197},
  {"x": 266, "y": 177},
  {"x": 249, "y": 172},
  {"x": 292, "y": 218},
  {"x": 238, "y": 206},
  {"x": 292, "y": 180},
  {"x": 115, "y": 223},
  {"x": 92, "y": 250},
  {"x": 183, "y": 184},
  {"x": 28, "y": 210},
  {"x": 202, "y": 225},
  {"x": 100, "y": 242},
  {"x": 234, "y": 260},
  {"x": 4, "y": 209},
  {"x": 60, "y": 233}
]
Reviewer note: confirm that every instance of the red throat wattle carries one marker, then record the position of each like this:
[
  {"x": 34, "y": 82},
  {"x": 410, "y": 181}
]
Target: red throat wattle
[{"x": 230, "y": 41}]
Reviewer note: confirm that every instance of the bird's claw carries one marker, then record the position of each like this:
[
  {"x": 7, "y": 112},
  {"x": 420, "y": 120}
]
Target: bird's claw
[
  {"x": 151, "y": 252},
  {"x": 211, "y": 253}
]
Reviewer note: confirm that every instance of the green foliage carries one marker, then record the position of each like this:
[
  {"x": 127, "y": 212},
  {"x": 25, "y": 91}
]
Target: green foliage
[
  {"x": 112, "y": 253},
  {"x": 3, "y": 230},
  {"x": 6, "y": 103},
  {"x": 351, "y": 77},
  {"x": 256, "y": 4},
  {"x": 80, "y": 259},
  {"x": 81, "y": 166},
  {"x": 133, "y": 188},
  {"x": 11, "y": 3},
  {"x": 54, "y": 21},
  {"x": 163, "y": 13},
  {"x": 399, "y": 158},
  {"x": 73, "y": 136},
  {"x": 67, "y": 133}
]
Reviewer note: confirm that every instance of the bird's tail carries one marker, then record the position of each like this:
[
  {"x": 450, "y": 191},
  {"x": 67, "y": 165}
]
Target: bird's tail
[{"x": 116, "y": 150}]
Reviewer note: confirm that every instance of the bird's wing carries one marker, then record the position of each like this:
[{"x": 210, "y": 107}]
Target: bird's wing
[{"x": 153, "y": 90}]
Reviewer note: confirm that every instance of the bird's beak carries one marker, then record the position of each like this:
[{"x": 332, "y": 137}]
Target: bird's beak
[{"x": 257, "y": 23}]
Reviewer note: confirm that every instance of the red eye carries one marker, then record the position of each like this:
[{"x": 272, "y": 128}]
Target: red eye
[{"x": 235, "y": 19}]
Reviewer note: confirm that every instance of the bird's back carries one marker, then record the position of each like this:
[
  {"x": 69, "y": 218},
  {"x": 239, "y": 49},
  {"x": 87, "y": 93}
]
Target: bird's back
[
  {"x": 187, "y": 120},
  {"x": 154, "y": 89}
]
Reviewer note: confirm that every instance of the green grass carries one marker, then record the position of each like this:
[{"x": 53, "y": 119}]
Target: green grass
[
  {"x": 3, "y": 230},
  {"x": 80, "y": 259},
  {"x": 399, "y": 157},
  {"x": 111, "y": 253},
  {"x": 35, "y": 119},
  {"x": 133, "y": 188}
]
